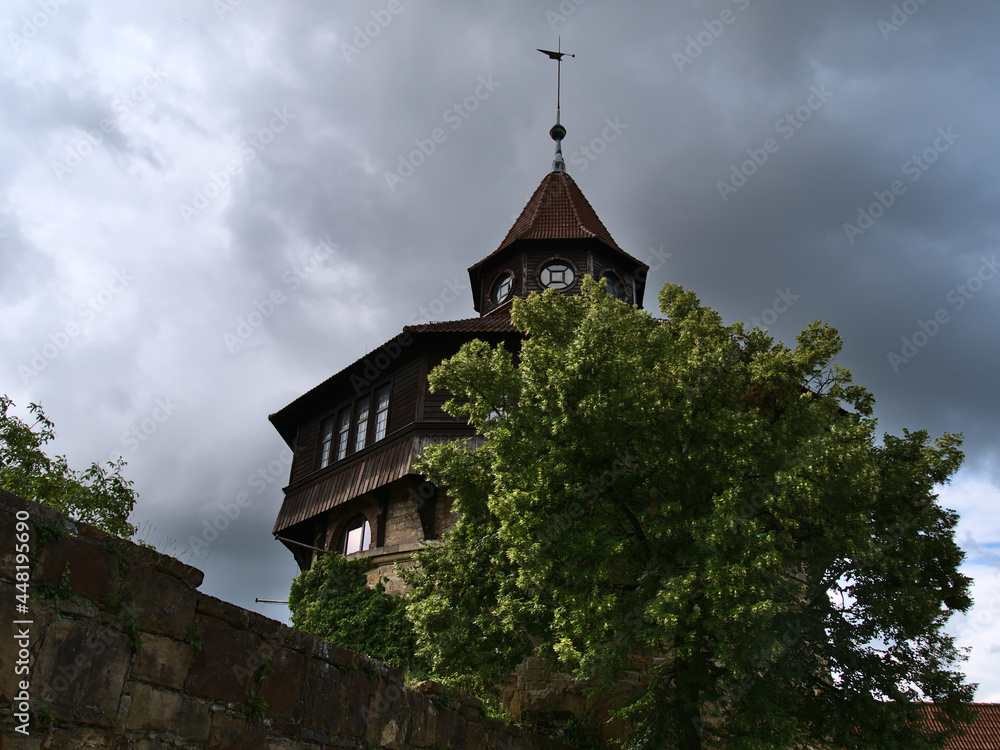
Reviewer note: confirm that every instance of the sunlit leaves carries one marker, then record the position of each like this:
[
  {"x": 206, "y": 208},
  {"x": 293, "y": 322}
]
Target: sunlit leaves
[{"x": 695, "y": 490}]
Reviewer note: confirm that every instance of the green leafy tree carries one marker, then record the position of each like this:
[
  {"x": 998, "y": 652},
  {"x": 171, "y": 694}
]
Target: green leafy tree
[
  {"x": 332, "y": 600},
  {"x": 694, "y": 490},
  {"x": 98, "y": 495}
]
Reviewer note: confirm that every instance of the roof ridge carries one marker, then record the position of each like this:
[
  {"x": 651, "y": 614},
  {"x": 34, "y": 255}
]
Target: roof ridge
[{"x": 576, "y": 212}]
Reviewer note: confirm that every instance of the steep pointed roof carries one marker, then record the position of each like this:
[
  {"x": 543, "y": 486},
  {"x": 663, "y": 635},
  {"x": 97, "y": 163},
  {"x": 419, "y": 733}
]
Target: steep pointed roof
[{"x": 557, "y": 210}]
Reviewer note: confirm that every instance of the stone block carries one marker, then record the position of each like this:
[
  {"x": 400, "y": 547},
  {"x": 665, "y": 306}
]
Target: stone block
[
  {"x": 20, "y": 743},
  {"x": 8, "y": 546},
  {"x": 168, "y": 566},
  {"x": 230, "y": 732},
  {"x": 93, "y": 569},
  {"x": 80, "y": 672},
  {"x": 425, "y": 722},
  {"x": 162, "y": 661},
  {"x": 224, "y": 667},
  {"x": 321, "y": 705},
  {"x": 146, "y": 744},
  {"x": 429, "y": 687},
  {"x": 388, "y": 719},
  {"x": 154, "y": 709},
  {"x": 355, "y": 695},
  {"x": 339, "y": 656},
  {"x": 476, "y": 738},
  {"x": 163, "y": 604},
  {"x": 266, "y": 627},
  {"x": 77, "y": 738},
  {"x": 470, "y": 713},
  {"x": 10, "y": 649},
  {"x": 305, "y": 642},
  {"x": 281, "y": 743},
  {"x": 281, "y": 683},
  {"x": 230, "y": 614},
  {"x": 452, "y": 730}
]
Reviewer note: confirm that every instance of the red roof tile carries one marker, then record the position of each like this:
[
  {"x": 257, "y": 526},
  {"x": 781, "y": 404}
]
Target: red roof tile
[
  {"x": 559, "y": 210},
  {"x": 497, "y": 322},
  {"x": 983, "y": 733}
]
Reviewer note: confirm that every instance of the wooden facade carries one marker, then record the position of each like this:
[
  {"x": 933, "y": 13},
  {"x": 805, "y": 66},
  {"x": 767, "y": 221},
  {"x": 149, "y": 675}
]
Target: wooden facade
[{"x": 356, "y": 436}]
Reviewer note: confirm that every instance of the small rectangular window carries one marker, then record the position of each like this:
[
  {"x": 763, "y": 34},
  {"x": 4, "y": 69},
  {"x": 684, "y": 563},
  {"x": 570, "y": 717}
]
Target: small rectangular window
[
  {"x": 343, "y": 431},
  {"x": 327, "y": 442},
  {"x": 381, "y": 411},
  {"x": 361, "y": 423}
]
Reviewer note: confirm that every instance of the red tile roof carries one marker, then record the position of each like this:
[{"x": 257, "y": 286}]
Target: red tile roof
[
  {"x": 559, "y": 210},
  {"x": 497, "y": 322},
  {"x": 983, "y": 733}
]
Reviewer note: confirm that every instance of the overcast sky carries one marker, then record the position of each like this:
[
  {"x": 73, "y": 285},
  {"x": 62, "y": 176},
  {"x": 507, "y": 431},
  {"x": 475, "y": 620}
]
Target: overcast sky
[{"x": 206, "y": 209}]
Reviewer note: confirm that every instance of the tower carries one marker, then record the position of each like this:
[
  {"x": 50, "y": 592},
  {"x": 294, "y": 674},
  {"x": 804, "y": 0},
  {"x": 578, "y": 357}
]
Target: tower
[{"x": 355, "y": 437}]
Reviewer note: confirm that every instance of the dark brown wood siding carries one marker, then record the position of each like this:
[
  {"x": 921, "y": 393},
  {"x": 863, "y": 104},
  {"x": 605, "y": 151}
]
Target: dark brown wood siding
[
  {"x": 376, "y": 468},
  {"x": 538, "y": 256},
  {"x": 306, "y": 445},
  {"x": 432, "y": 408},
  {"x": 514, "y": 265},
  {"x": 432, "y": 411},
  {"x": 606, "y": 261},
  {"x": 403, "y": 402}
]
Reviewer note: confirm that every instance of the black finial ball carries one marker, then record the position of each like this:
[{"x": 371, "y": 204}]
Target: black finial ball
[{"x": 558, "y": 132}]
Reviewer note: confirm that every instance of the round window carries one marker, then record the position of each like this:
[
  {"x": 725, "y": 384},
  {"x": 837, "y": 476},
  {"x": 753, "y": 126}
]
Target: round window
[
  {"x": 615, "y": 285},
  {"x": 557, "y": 274},
  {"x": 503, "y": 287}
]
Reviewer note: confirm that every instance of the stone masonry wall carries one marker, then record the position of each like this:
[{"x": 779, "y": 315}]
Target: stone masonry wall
[{"x": 119, "y": 649}]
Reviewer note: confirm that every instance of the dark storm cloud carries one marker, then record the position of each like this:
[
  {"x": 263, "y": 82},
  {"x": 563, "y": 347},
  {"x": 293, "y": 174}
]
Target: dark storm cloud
[{"x": 257, "y": 166}]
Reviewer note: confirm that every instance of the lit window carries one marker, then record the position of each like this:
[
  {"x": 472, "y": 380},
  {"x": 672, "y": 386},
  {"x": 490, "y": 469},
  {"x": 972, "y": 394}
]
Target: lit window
[
  {"x": 557, "y": 275},
  {"x": 502, "y": 288},
  {"x": 381, "y": 411},
  {"x": 357, "y": 536},
  {"x": 327, "y": 445},
  {"x": 362, "y": 423},
  {"x": 342, "y": 433},
  {"x": 615, "y": 285}
]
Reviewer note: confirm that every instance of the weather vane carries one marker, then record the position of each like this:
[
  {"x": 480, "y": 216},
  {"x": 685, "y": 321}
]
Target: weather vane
[{"x": 558, "y": 132}]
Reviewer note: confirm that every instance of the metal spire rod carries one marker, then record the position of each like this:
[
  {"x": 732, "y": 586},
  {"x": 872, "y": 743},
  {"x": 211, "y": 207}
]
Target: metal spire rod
[
  {"x": 558, "y": 132},
  {"x": 558, "y": 55}
]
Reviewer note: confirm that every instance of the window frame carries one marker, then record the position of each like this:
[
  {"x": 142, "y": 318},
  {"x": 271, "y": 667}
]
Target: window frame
[
  {"x": 557, "y": 260},
  {"x": 349, "y": 526},
  {"x": 326, "y": 434},
  {"x": 380, "y": 415},
  {"x": 610, "y": 270},
  {"x": 495, "y": 286},
  {"x": 343, "y": 443},
  {"x": 362, "y": 416},
  {"x": 343, "y": 433}
]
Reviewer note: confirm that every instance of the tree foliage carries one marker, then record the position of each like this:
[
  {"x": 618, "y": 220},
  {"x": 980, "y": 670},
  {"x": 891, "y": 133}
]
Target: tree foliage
[
  {"x": 332, "y": 600},
  {"x": 98, "y": 495},
  {"x": 698, "y": 491}
]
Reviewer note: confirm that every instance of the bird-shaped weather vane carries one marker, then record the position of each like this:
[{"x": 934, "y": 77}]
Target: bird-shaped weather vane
[{"x": 558, "y": 132}]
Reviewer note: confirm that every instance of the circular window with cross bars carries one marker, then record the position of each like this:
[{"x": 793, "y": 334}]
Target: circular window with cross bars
[
  {"x": 503, "y": 287},
  {"x": 557, "y": 274}
]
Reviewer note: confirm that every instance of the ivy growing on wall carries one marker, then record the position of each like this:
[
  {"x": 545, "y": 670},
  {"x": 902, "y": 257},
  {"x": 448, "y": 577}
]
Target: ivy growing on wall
[{"x": 332, "y": 600}]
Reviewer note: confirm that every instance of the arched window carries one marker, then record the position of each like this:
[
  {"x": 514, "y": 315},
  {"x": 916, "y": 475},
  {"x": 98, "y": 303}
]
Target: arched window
[
  {"x": 615, "y": 285},
  {"x": 357, "y": 536}
]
